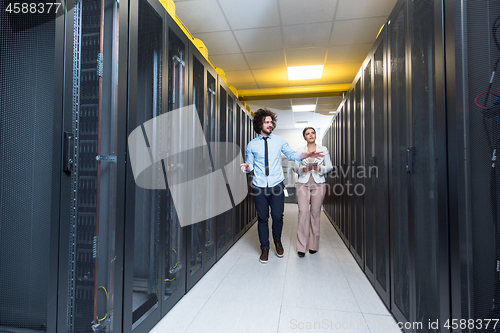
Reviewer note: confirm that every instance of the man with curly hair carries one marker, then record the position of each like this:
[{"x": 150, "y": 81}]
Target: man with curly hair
[{"x": 263, "y": 157}]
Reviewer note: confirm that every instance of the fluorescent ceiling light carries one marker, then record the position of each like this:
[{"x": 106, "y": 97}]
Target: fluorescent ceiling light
[
  {"x": 305, "y": 72},
  {"x": 303, "y": 108},
  {"x": 302, "y": 125},
  {"x": 333, "y": 112}
]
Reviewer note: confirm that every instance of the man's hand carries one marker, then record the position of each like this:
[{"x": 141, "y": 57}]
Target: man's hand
[
  {"x": 245, "y": 167},
  {"x": 313, "y": 154}
]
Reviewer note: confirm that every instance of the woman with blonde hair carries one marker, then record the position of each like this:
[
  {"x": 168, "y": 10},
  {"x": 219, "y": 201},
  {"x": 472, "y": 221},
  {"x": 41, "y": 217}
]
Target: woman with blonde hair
[{"x": 311, "y": 189}]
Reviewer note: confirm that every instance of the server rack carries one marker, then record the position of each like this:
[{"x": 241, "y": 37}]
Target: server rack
[
  {"x": 144, "y": 267},
  {"x": 201, "y": 236},
  {"x": 379, "y": 162},
  {"x": 224, "y": 220},
  {"x": 472, "y": 105},
  {"x": 239, "y": 221},
  {"x": 395, "y": 123},
  {"x": 30, "y": 169}
]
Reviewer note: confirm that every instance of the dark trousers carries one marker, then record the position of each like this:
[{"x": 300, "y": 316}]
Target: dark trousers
[{"x": 264, "y": 198}]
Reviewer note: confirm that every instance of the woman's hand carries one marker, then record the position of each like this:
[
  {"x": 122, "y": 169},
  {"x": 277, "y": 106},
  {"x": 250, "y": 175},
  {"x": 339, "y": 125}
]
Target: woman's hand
[{"x": 311, "y": 168}]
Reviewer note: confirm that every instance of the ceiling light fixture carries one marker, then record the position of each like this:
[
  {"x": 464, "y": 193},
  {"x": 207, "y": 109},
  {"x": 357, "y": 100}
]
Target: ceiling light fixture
[
  {"x": 302, "y": 124},
  {"x": 305, "y": 72},
  {"x": 304, "y": 108}
]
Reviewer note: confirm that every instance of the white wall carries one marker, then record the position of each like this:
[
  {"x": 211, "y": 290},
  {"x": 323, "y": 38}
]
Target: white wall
[{"x": 294, "y": 137}]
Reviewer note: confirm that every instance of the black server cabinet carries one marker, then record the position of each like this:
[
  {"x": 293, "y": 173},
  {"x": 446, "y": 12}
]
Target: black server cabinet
[
  {"x": 345, "y": 173},
  {"x": 31, "y": 134},
  {"x": 355, "y": 190},
  {"x": 92, "y": 197},
  {"x": 377, "y": 159},
  {"x": 211, "y": 135},
  {"x": 146, "y": 209},
  {"x": 368, "y": 207},
  {"x": 155, "y": 242},
  {"x": 398, "y": 177},
  {"x": 225, "y": 220},
  {"x": 174, "y": 235},
  {"x": 200, "y": 251},
  {"x": 472, "y": 53},
  {"x": 239, "y": 221},
  {"x": 417, "y": 176}
]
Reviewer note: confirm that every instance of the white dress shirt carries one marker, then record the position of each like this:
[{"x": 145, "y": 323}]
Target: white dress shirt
[
  {"x": 324, "y": 162},
  {"x": 255, "y": 158}
]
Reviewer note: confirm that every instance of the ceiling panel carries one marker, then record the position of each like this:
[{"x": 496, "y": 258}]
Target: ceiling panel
[
  {"x": 236, "y": 77},
  {"x": 266, "y": 75},
  {"x": 299, "y": 83},
  {"x": 306, "y": 57},
  {"x": 311, "y": 11},
  {"x": 348, "y": 53},
  {"x": 360, "y": 31},
  {"x": 307, "y": 35},
  {"x": 340, "y": 73},
  {"x": 219, "y": 42},
  {"x": 230, "y": 62},
  {"x": 304, "y": 101},
  {"x": 329, "y": 100},
  {"x": 273, "y": 84},
  {"x": 327, "y": 108},
  {"x": 250, "y": 14},
  {"x": 364, "y": 8},
  {"x": 268, "y": 59},
  {"x": 263, "y": 39},
  {"x": 201, "y": 16},
  {"x": 282, "y": 104}
]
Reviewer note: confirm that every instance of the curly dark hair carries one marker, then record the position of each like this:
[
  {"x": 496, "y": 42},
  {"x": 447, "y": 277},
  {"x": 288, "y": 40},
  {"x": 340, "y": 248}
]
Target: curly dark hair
[{"x": 260, "y": 115}]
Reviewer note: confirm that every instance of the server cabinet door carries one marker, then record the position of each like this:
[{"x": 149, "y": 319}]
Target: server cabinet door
[
  {"x": 358, "y": 174},
  {"x": 195, "y": 232},
  {"x": 211, "y": 134},
  {"x": 428, "y": 201},
  {"x": 398, "y": 176},
  {"x": 147, "y": 205},
  {"x": 30, "y": 172},
  {"x": 239, "y": 222},
  {"x": 93, "y": 286},
  {"x": 224, "y": 220},
  {"x": 379, "y": 173},
  {"x": 344, "y": 172},
  {"x": 231, "y": 107},
  {"x": 368, "y": 208},
  {"x": 178, "y": 171}
]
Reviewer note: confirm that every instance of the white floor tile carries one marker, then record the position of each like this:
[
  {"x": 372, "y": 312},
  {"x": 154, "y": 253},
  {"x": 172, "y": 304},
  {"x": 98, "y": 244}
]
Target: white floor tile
[
  {"x": 219, "y": 316},
  {"x": 325, "y": 291}
]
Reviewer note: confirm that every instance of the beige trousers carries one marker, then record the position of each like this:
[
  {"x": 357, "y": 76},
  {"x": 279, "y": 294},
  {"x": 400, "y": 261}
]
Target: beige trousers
[{"x": 310, "y": 197}]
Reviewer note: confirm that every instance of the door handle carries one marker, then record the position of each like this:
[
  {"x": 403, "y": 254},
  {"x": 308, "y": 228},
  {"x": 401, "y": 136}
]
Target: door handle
[{"x": 409, "y": 160}]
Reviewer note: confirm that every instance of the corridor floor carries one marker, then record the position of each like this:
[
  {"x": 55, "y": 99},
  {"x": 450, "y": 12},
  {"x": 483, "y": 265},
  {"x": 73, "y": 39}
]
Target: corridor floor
[{"x": 323, "y": 292}]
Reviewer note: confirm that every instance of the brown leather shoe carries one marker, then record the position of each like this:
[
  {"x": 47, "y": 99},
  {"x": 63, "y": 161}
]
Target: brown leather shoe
[
  {"x": 264, "y": 256},
  {"x": 280, "y": 251}
]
